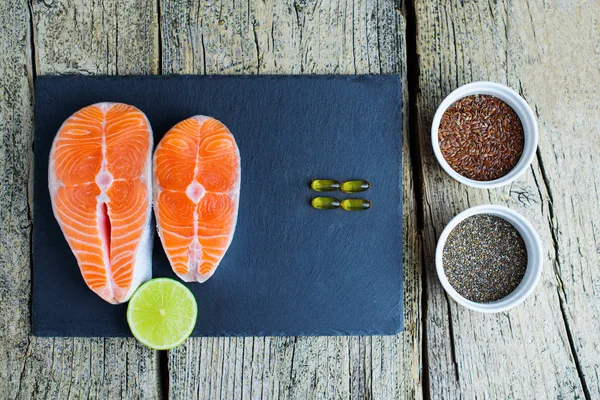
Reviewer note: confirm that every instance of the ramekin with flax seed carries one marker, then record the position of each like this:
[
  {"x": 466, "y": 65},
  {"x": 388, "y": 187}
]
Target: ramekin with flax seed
[{"x": 484, "y": 135}]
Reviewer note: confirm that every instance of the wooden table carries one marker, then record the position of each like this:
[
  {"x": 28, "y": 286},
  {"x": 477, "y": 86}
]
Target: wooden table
[{"x": 548, "y": 50}]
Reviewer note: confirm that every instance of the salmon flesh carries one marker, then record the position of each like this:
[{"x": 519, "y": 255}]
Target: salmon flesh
[
  {"x": 100, "y": 187},
  {"x": 196, "y": 195}
]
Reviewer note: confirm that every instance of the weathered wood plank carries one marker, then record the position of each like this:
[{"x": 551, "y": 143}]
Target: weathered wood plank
[
  {"x": 226, "y": 37},
  {"x": 96, "y": 37},
  {"x": 548, "y": 51},
  {"x": 16, "y": 116},
  {"x": 89, "y": 37}
]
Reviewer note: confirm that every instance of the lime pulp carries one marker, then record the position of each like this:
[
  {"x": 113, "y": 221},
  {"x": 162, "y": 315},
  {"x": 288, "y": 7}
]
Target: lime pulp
[{"x": 162, "y": 313}]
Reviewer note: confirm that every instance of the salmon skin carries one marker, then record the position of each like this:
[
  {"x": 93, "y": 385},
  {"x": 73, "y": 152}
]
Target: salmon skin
[
  {"x": 196, "y": 195},
  {"x": 99, "y": 179}
]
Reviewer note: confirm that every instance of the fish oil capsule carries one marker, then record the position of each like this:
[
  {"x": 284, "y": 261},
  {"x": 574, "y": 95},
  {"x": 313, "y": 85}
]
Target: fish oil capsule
[
  {"x": 355, "y": 186},
  {"x": 324, "y": 185},
  {"x": 355, "y": 204},
  {"x": 325, "y": 203}
]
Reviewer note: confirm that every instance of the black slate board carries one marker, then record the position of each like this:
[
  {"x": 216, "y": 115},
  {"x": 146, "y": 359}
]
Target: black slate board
[{"x": 291, "y": 269}]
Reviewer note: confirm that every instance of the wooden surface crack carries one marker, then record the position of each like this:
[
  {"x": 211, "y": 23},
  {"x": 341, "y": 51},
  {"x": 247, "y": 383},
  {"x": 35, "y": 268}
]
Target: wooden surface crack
[
  {"x": 257, "y": 46},
  {"x": 203, "y": 45},
  {"x": 584, "y": 386},
  {"x": 562, "y": 295},
  {"x": 22, "y": 374},
  {"x": 292, "y": 375},
  {"x": 424, "y": 348},
  {"x": 116, "y": 44},
  {"x": 412, "y": 76},
  {"x": 163, "y": 372},
  {"x": 31, "y": 39},
  {"x": 159, "y": 39},
  {"x": 451, "y": 338},
  {"x": 539, "y": 189}
]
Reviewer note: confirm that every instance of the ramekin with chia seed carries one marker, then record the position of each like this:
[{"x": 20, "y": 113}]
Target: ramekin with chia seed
[
  {"x": 489, "y": 258},
  {"x": 484, "y": 135}
]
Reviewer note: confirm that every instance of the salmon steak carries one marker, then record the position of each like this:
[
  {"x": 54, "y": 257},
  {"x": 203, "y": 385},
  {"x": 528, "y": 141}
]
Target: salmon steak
[
  {"x": 196, "y": 195},
  {"x": 99, "y": 179}
]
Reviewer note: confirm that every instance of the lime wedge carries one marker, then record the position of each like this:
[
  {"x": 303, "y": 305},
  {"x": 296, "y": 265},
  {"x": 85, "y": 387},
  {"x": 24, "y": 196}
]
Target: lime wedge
[{"x": 162, "y": 313}]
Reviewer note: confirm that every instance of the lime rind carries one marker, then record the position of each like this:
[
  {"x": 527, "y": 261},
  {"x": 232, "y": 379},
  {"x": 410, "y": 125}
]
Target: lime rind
[{"x": 144, "y": 313}]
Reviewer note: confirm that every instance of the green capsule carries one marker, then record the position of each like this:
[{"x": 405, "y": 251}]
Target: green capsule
[
  {"x": 325, "y": 203},
  {"x": 324, "y": 185},
  {"x": 355, "y": 186},
  {"x": 355, "y": 204}
]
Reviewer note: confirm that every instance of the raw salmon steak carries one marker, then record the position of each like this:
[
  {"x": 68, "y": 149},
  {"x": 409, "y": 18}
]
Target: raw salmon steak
[
  {"x": 100, "y": 186},
  {"x": 196, "y": 195}
]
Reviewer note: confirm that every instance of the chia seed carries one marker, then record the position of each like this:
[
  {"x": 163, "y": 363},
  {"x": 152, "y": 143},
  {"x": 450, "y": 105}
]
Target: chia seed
[{"x": 484, "y": 258}]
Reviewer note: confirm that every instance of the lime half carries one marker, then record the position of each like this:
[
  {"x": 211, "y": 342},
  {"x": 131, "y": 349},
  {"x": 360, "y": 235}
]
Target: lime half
[{"x": 162, "y": 313}]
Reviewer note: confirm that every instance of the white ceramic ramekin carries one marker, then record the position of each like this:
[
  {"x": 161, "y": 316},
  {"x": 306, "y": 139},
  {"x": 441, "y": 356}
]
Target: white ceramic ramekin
[
  {"x": 534, "y": 258},
  {"x": 513, "y": 99}
]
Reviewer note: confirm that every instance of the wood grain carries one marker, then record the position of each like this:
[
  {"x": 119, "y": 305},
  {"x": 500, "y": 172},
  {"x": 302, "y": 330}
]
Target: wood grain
[
  {"x": 16, "y": 116},
  {"x": 546, "y": 49},
  {"x": 96, "y": 37},
  {"x": 544, "y": 348},
  {"x": 89, "y": 38},
  {"x": 267, "y": 37}
]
